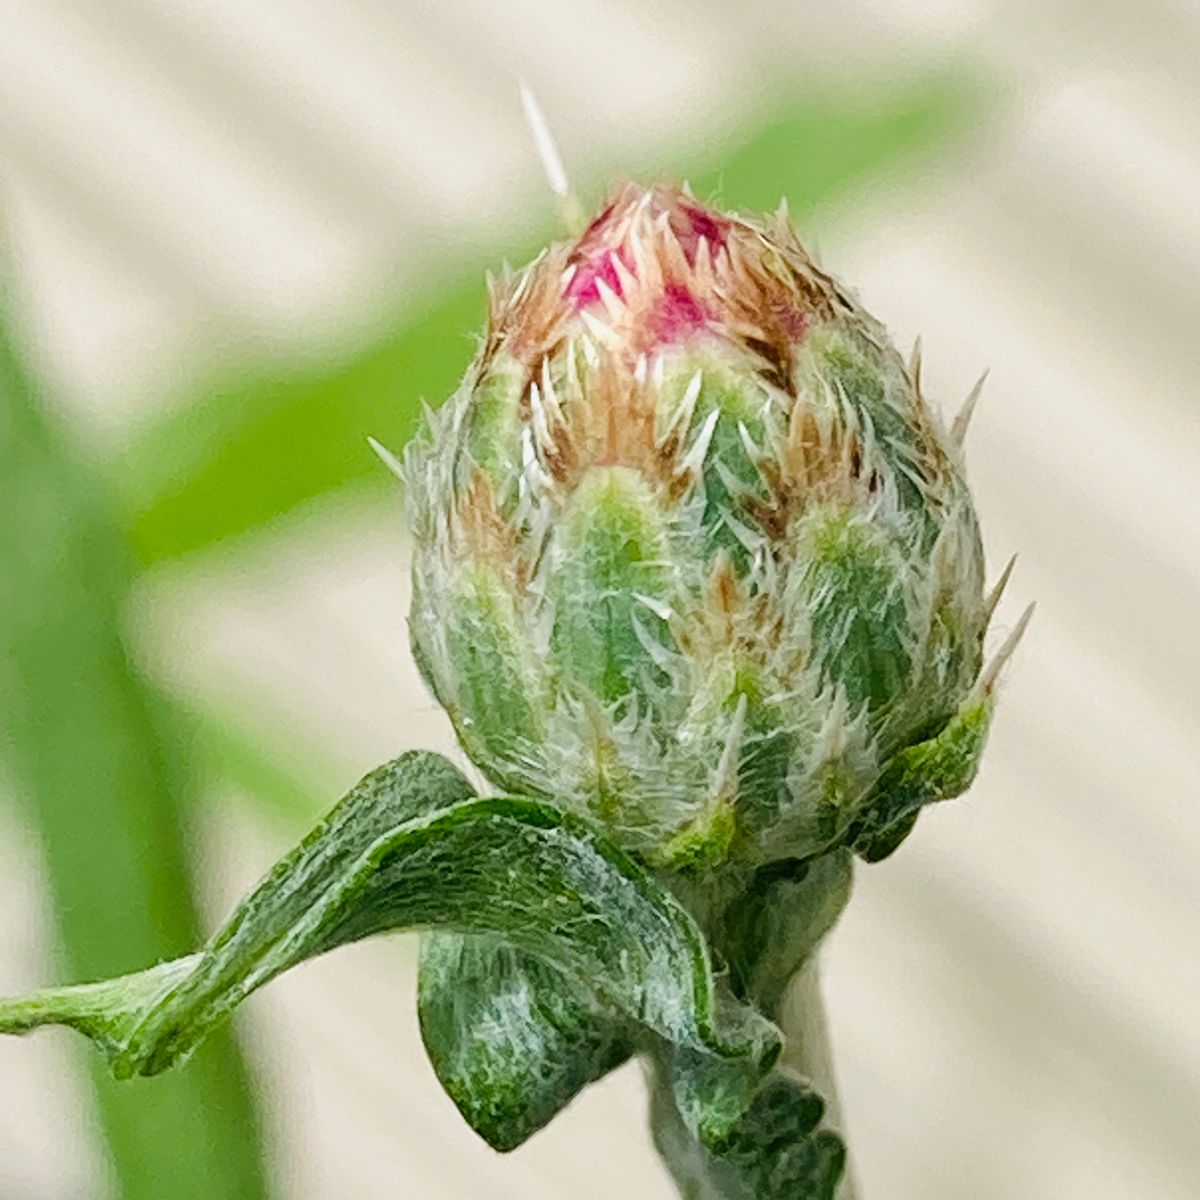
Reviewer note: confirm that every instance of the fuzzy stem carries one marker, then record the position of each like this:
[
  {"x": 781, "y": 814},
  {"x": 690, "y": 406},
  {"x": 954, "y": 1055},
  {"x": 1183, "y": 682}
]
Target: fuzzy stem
[{"x": 808, "y": 1052}]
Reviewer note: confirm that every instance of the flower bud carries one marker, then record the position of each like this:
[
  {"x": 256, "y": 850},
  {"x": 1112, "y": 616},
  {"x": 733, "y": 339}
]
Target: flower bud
[{"x": 693, "y": 556}]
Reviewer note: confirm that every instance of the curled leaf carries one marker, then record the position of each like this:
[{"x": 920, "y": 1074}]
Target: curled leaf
[
  {"x": 409, "y": 848},
  {"x": 511, "y": 1038},
  {"x": 775, "y": 1150}
]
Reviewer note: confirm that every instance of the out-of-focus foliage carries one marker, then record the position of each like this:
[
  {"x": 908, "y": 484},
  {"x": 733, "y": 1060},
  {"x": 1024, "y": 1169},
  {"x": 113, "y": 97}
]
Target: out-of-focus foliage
[{"x": 86, "y": 745}]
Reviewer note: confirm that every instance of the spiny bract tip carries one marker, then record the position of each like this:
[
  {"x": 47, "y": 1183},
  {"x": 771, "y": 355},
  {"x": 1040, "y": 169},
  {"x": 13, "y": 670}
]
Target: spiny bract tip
[{"x": 386, "y": 457}]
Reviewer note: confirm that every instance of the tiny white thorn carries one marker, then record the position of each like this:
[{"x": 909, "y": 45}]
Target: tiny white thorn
[
  {"x": 831, "y": 740},
  {"x": 958, "y": 431},
  {"x": 727, "y": 768},
  {"x": 987, "y": 680},
  {"x": 993, "y": 597},
  {"x": 549, "y": 394},
  {"x": 694, "y": 459},
  {"x": 752, "y": 541},
  {"x": 520, "y": 286},
  {"x": 640, "y": 369},
  {"x": 613, "y": 305},
  {"x": 601, "y": 332},
  {"x": 681, "y": 418},
  {"x": 663, "y": 658},
  {"x": 733, "y": 485},
  {"x": 552, "y": 163},
  {"x": 528, "y": 452},
  {"x": 386, "y": 457},
  {"x": 914, "y": 363},
  {"x": 752, "y": 451},
  {"x": 537, "y": 413},
  {"x": 661, "y": 610}
]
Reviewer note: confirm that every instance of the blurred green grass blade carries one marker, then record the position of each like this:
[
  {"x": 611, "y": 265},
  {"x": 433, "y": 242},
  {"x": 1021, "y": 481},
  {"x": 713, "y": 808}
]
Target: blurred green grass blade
[
  {"x": 260, "y": 763},
  {"x": 81, "y": 741},
  {"x": 845, "y": 145},
  {"x": 261, "y": 444}
]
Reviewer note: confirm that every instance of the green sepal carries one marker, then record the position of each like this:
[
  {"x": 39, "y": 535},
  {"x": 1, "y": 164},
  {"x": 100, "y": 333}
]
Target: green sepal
[
  {"x": 493, "y": 436},
  {"x": 938, "y": 768},
  {"x": 512, "y": 1039},
  {"x": 410, "y": 848},
  {"x": 871, "y": 384},
  {"x": 739, "y": 402},
  {"x": 498, "y": 696}
]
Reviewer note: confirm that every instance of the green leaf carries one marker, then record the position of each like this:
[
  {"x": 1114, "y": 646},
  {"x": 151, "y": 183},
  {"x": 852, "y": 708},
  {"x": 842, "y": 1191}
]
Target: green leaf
[
  {"x": 512, "y": 1039},
  {"x": 775, "y": 1150},
  {"x": 259, "y": 443},
  {"x": 408, "y": 848},
  {"x": 727, "y": 1132},
  {"x": 85, "y": 745},
  {"x": 827, "y": 143}
]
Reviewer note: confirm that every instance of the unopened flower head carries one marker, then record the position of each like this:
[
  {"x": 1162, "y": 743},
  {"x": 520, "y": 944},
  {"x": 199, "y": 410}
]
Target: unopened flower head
[{"x": 693, "y": 555}]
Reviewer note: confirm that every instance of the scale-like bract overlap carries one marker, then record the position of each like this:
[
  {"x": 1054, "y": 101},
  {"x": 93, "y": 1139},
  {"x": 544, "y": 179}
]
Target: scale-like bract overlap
[{"x": 693, "y": 557}]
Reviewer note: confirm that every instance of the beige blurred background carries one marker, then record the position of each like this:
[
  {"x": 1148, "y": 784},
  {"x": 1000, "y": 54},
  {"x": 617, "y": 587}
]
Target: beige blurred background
[{"x": 1015, "y": 996}]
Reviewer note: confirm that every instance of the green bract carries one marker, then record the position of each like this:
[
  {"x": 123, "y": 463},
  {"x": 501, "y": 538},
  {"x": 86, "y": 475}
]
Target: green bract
[{"x": 698, "y": 579}]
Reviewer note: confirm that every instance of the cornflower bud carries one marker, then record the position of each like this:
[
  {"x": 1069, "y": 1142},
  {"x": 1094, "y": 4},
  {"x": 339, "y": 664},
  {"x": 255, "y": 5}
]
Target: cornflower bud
[{"x": 693, "y": 556}]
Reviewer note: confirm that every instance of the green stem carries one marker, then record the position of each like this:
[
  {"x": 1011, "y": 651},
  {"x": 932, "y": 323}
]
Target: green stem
[
  {"x": 690, "y": 1167},
  {"x": 808, "y": 1052}
]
